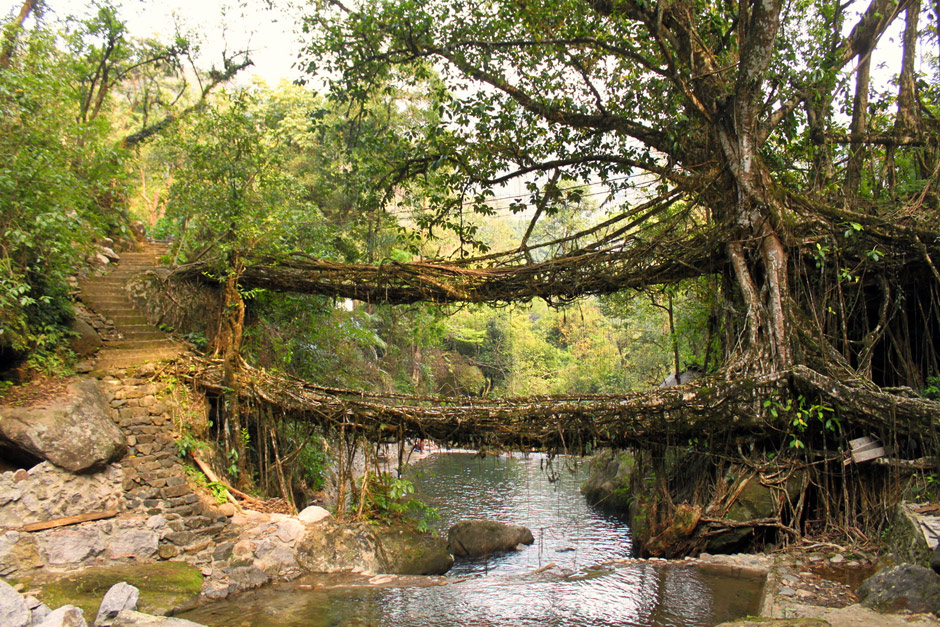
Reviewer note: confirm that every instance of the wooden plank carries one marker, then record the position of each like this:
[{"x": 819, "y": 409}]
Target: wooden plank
[
  {"x": 868, "y": 455},
  {"x": 69, "y": 520},
  {"x": 859, "y": 442}
]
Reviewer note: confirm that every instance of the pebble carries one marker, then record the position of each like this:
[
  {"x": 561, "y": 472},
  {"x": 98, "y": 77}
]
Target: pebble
[
  {"x": 786, "y": 592},
  {"x": 838, "y": 558}
]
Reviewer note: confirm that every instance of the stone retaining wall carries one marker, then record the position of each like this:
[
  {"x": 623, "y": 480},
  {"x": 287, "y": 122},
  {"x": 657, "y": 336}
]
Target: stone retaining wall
[{"x": 160, "y": 517}]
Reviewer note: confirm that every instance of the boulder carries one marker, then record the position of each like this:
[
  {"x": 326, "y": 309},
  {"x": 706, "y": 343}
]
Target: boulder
[
  {"x": 109, "y": 253},
  {"x": 129, "y": 618},
  {"x": 469, "y": 538},
  {"x": 329, "y": 546},
  {"x": 608, "y": 482},
  {"x": 70, "y": 546},
  {"x": 13, "y": 609},
  {"x": 408, "y": 552},
  {"x": 86, "y": 340},
  {"x": 902, "y": 588},
  {"x": 74, "y": 433},
  {"x": 313, "y": 514},
  {"x": 65, "y": 616},
  {"x": 121, "y": 596},
  {"x": 935, "y": 559},
  {"x": 39, "y": 610}
]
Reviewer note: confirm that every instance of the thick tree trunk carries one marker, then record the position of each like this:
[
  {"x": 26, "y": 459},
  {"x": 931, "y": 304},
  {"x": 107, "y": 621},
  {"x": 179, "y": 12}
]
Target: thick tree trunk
[{"x": 227, "y": 344}]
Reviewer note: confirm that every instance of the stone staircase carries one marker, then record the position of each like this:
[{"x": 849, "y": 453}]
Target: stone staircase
[{"x": 138, "y": 341}]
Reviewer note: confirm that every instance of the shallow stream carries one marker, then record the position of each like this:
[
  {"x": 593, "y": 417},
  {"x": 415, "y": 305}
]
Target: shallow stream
[{"x": 500, "y": 590}]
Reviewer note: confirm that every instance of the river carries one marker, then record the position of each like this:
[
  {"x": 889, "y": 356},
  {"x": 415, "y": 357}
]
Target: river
[{"x": 543, "y": 495}]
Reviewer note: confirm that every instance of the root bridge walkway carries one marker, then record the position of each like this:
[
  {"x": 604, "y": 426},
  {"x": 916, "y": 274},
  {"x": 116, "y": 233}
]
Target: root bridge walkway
[{"x": 708, "y": 408}]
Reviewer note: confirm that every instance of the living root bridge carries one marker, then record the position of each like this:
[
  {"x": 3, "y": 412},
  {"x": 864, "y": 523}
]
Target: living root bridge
[
  {"x": 562, "y": 278},
  {"x": 711, "y": 407}
]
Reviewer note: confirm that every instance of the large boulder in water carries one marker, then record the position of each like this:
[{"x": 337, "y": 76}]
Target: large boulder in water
[
  {"x": 329, "y": 546},
  {"x": 408, "y": 552},
  {"x": 73, "y": 432},
  {"x": 902, "y": 588},
  {"x": 608, "y": 482},
  {"x": 470, "y": 538}
]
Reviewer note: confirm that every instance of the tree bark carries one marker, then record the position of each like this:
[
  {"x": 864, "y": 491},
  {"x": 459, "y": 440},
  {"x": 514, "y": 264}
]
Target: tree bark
[
  {"x": 9, "y": 42},
  {"x": 228, "y": 345},
  {"x": 853, "y": 172}
]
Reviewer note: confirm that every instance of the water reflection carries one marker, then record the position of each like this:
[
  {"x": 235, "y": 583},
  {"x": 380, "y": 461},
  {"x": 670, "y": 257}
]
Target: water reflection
[
  {"x": 500, "y": 590},
  {"x": 541, "y": 494}
]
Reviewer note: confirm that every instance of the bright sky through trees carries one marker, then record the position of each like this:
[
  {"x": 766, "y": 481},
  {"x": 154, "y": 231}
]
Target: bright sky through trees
[{"x": 219, "y": 24}]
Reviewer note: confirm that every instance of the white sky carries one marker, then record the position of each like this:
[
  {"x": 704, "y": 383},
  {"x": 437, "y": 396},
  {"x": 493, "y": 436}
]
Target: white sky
[{"x": 270, "y": 33}]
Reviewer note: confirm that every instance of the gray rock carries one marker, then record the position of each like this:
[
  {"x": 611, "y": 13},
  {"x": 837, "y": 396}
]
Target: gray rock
[
  {"x": 13, "y": 609},
  {"x": 137, "y": 543},
  {"x": 75, "y": 433},
  {"x": 330, "y": 547},
  {"x": 128, "y": 618},
  {"x": 608, "y": 482},
  {"x": 121, "y": 596},
  {"x": 86, "y": 340},
  {"x": 109, "y": 253},
  {"x": 408, "y": 552},
  {"x": 246, "y": 577},
  {"x": 312, "y": 514},
  {"x": 481, "y": 537},
  {"x": 686, "y": 376},
  {"x": 70, "y": 546},
  {"x": 905, "y": 587},
  {"x": 65, "y": 616},
  {"x": 39, "y": 614}
]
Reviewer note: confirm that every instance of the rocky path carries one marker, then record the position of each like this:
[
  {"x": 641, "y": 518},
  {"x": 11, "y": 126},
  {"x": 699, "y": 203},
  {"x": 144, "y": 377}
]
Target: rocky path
[{"x": 138, "y": 341}]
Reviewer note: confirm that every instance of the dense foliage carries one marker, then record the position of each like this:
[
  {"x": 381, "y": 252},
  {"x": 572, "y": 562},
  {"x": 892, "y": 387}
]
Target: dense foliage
[{"x": 62, "y": 185}]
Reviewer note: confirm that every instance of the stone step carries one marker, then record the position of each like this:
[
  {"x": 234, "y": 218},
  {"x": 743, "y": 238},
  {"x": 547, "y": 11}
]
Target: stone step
[
  {"x": 141, "y": 328},
  {"x": 136, "y": 344},
  {"x": 102, "y": 296},
  {"x": 139, "y": 341},
  {"x": 120, "y": 319},
  {"x": 108, "y": 359},
  {"x": 116, "y": 307},
  {"x": 135, "y": 336}
]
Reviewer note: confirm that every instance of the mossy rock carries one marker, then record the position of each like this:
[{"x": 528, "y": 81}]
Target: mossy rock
[
  {"x": 608, "y": 482},
  {"x": 164, "y": 586},
  {"x": 408, "y": 552}
]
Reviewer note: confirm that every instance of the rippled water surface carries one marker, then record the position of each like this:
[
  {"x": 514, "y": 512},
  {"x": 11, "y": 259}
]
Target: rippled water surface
[{"x": 501, "y": 590}]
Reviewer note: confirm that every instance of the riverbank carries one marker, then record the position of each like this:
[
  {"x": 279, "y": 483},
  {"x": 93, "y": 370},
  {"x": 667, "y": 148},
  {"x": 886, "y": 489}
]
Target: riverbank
[{"x": 149, "y": 514}]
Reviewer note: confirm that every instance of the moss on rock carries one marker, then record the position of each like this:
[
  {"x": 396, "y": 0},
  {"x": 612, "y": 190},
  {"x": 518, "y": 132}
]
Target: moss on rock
[{"x": 164, "y": 586}]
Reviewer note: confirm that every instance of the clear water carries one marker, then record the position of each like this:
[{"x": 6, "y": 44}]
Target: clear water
[{"x": 501, "y": 590}]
